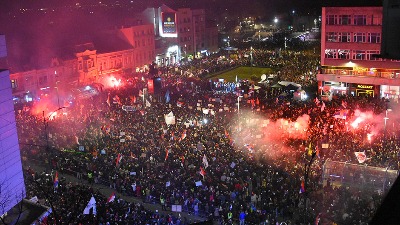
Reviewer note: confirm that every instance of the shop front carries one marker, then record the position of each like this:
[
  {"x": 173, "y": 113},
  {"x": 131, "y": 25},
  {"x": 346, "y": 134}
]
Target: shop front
[
  {"x": 364, "y": 90},
  {"x": 390, "y": 92}
]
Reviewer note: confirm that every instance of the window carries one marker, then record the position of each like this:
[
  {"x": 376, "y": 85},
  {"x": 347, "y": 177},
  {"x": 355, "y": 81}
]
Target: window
[
  {"x": 343, "y": 54},
  {"x": 330, "y": 53},
  {"x": 359, "y": 54},
  {"x": 374, "y": 37},
  {"x": 372, "y": 55},
  {"x": 331, "y": 37},
  {"x": 344, "y": 37},
  {"x": 376, "y": 20},
  {"x": 14, "y": 84},
  {"x": 360, "y": 37},
  {"x": 331, "y": 19},
  {"x": 360, "y": 20},
  {"x": 344, "y": 19},
  {"x": 43, "y": 80}
]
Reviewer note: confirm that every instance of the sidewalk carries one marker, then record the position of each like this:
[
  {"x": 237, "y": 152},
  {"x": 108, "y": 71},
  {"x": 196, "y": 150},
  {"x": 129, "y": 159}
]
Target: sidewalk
[{"x": 107, "y": 191}]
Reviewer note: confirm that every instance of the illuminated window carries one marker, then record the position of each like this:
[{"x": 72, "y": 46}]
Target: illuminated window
[{"x": 14, "y": 84}]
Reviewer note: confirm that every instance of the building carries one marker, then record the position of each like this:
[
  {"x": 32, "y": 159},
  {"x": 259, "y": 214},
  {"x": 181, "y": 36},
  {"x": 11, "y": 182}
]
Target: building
[
  {"x": 350, "y": 49},
  {"x": 182, "y": 34},
  {"x": 12, "y": 187},
  {"x": 116, "y": 52}
]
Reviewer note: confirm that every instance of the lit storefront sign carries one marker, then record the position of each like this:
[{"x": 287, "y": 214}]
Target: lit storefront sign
[{"x": 365, "y": 90}]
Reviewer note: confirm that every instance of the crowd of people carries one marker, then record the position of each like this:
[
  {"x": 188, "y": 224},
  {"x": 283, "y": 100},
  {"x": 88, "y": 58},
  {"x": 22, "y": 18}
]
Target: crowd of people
[{"x": 211, "y": 160}]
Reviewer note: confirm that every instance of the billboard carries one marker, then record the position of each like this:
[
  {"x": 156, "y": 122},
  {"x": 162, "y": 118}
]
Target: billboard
[{"x": 168, "y": 24}]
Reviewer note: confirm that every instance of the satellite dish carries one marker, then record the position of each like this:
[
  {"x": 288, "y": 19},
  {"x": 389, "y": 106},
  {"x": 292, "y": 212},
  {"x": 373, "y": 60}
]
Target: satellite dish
[{"x": 263, "y": 77}]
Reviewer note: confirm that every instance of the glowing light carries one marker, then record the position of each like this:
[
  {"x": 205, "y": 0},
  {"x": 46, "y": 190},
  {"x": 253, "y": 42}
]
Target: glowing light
[
  {"x": 369, "y": 137},
  {"x": 356, "y": 122}
]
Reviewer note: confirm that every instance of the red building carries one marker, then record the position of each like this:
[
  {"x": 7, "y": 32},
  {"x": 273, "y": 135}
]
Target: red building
[
  {"x": 350, "y": 49},
  {"x": 114, "y": 52}
]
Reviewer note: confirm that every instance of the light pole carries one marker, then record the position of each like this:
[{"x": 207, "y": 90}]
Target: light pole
[
  {"x": 386, "y": 118},
  {"x": 306, "y": 174},
  {"x": 46, "y": 125}
]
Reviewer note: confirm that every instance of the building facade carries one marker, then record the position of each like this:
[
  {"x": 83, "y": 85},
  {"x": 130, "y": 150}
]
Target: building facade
[
  {"x": 12, "y": 187},
  {"x": 117, "y": 52},
  {"x": 350, "y": 54},
  {"x": 181, "y": 34}
]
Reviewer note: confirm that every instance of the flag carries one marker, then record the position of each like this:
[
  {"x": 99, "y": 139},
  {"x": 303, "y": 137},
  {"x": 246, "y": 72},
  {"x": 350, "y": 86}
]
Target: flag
[
  {"x": 202, "y": 172},
  {"x": 148, "y": 103},
  {"x": 302, "y": 187},
  {"x": 182, "y": 160},
  {"x": 56, "y": 180},
  {"x": 133, "y": 99},
  {"x": 310, "y": 150},
  {"x": 361, "y": 156},
  {"x": 318, "y": 219},
  {"x": 167, "y": 97},
  {"x": 183, "y": 136},
  {"x": 249, "y": 147},
  {"x": 344, "y": 104},
  {"x": 118, "y": 160},
  {"x": 77, "y": 140},
  {"x": 317, "y": 151},
  {"x": 117, "y": 100},
  {"x": 205, "y": 161},
  {"x": 316, "y": 100},
  {"x": 341, "y": 114},
  {"x": 91, "y": 204},
  {"x": 169, "y": 118},
  {"x": 166, "y": 154},
  {"x": 108, "y": 100},
  {"x": 111, "y": 198},
  {"x": 179, "y": 104},
  {"x": 226, "y": 134}
]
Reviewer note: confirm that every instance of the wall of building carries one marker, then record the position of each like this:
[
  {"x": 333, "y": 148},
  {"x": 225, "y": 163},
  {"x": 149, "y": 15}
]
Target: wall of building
[
  {"x": 351, "y": 40},
  {"x": 12, "y": 187}
]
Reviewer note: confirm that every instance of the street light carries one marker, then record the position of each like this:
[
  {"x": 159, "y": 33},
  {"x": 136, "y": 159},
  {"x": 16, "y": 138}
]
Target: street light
[
  {"x": 306, "y": 174},
  {"x": 46, "y": 125}
]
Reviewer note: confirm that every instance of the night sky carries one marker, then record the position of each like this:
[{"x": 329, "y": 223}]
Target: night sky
[{"x": 46, "y": 25}]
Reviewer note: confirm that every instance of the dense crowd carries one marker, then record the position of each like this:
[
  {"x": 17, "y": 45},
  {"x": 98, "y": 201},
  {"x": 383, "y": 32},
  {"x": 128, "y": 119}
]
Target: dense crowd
[{"x": 212, "y": 161}]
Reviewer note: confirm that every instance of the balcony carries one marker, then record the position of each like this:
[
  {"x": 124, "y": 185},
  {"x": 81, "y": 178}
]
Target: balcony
[{"x": 363, "y": 76}]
